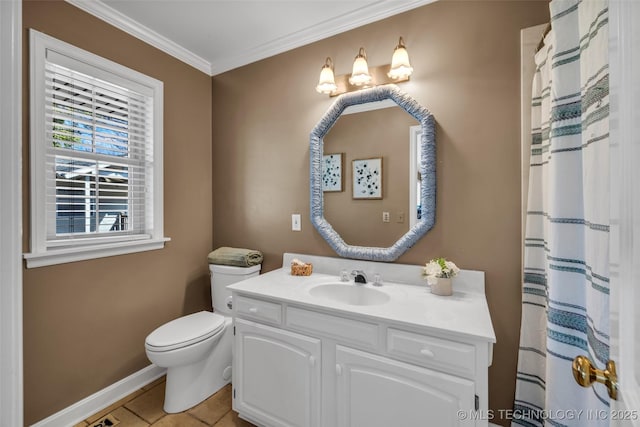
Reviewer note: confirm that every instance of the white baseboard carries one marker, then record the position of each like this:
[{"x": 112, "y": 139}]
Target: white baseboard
[{"x": 103, "y": 398}]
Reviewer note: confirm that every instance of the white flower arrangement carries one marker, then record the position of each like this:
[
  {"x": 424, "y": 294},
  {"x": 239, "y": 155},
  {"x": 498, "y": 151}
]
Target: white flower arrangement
[{"x": 439, "y": 267}]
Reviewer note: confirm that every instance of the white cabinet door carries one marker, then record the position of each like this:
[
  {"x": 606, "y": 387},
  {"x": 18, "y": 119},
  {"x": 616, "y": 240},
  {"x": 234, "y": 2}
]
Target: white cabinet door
[
  {"x": 276, "y": 376},
  {"x": 376, "y": 391}
]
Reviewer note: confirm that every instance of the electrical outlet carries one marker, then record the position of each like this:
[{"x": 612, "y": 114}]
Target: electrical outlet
[
  {"x": 385, "y": 216},
  {"x": 400, "y": 218},
  {"x": 295, "y": 222}
]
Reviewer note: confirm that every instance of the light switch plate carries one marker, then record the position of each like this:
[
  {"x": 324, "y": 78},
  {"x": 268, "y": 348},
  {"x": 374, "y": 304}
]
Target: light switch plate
[{"x": 295, "y": 222}]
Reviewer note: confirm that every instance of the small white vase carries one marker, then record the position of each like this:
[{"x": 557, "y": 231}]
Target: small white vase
[{"x": 442, "y": 287}]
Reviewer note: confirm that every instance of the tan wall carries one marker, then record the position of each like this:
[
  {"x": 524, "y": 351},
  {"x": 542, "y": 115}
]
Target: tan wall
[
  {"x": 467, "y": 72},
  {"x": 85, "y": 322}
]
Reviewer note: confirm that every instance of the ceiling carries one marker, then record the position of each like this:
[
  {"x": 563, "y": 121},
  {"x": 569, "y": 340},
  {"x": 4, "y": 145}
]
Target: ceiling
[{"x": 215, "y": 36}]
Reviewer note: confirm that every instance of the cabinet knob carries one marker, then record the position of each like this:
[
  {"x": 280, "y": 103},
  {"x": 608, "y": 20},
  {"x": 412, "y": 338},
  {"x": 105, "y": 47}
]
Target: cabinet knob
[
  {"x": 312, "y": 361},
  {"x": 338, "y": 369},
  {"x": 253, "y": 310},
  {"x": 427, "y": 353}
]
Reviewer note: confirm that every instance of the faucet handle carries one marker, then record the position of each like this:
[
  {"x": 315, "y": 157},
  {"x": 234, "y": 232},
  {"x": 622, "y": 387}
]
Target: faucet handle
[{"x": 377, "y": 279}]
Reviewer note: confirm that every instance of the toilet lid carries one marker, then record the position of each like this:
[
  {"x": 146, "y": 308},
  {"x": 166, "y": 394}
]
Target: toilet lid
[{"x": 185, "y": 330}]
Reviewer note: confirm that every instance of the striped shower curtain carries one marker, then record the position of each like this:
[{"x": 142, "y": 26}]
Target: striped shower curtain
[{"x": 565, "y": 299}]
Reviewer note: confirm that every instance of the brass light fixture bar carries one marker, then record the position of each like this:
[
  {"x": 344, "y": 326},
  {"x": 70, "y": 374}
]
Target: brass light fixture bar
[{"x": 378, "y": 77}]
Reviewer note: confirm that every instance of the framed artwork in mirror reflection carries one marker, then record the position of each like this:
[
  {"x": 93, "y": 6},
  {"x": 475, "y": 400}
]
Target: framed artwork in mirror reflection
[
  {"x": 332, "y": 172},
  {"x": 367, "y": 178}
]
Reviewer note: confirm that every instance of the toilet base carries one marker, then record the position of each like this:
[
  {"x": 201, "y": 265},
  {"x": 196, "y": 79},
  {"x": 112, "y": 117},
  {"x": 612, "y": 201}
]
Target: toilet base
[{"x": 189, "y": 385}]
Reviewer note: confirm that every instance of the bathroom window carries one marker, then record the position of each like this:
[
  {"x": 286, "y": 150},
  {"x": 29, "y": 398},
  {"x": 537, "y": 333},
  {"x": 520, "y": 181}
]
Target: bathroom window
[{"x": 96, "y": 156}]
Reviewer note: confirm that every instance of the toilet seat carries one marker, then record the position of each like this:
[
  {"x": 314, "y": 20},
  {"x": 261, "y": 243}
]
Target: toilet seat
[{"x": 185, "y": 331}]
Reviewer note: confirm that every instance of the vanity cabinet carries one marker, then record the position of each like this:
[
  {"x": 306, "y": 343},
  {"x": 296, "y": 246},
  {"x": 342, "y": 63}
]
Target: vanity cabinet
[
  {"x": 296, "y": 365},
  {"x": 276, "y": 376},
  {"x": 377, "y": 391}
]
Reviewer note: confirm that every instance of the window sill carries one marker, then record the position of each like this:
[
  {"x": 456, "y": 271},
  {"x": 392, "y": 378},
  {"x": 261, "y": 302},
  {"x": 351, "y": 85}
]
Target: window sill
[{"x": 86, "y": 252}]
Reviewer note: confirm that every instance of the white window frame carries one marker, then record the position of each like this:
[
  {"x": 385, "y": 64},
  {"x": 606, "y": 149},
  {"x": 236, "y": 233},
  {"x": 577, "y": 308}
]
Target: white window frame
[{"x": 43, "y": 251}]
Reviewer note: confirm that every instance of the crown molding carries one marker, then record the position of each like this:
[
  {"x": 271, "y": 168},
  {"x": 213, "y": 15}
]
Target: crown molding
[
  {"x": 134, "y": 28},
  {"x": 359, "y": 17}
]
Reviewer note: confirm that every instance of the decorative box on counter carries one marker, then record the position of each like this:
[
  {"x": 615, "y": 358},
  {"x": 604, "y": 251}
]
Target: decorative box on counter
[{"x": 299, "y": 268}]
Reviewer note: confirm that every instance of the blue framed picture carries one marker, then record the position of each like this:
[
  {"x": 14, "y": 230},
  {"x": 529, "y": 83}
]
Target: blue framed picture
[
  {"x": 332, "y": 172},
  {"x": 367, "y": 178}
]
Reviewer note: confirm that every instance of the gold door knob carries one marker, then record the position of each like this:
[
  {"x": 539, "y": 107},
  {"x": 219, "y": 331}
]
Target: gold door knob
[{"x": 585, "y": 374}]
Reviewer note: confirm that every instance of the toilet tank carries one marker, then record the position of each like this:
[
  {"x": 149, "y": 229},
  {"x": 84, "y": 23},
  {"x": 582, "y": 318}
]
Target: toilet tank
[{"x": 221, "y": 277}]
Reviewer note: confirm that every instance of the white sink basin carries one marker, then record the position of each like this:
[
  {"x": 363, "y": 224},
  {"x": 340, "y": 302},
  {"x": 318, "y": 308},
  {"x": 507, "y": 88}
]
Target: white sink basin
[{"x": 348, "y": 293}]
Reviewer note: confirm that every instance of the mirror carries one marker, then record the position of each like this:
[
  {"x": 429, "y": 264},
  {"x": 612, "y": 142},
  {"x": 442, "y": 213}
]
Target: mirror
[
  {"x": 357, "y": 136},
  {"x": 373, "y": 167}
]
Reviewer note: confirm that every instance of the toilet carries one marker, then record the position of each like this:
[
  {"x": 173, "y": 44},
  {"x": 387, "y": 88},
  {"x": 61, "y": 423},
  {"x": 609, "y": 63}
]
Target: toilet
[{"x": 196, "y": 349}]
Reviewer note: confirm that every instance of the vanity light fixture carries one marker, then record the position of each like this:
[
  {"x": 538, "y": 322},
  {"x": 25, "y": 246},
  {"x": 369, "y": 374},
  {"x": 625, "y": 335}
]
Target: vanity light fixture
[
  {"x": 400, "y": 66},
  {"x": 362, "y": 76},
  {"x": 327, "y": 81}
]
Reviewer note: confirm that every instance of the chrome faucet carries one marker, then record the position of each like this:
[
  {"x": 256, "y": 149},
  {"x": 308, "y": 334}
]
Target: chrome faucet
[{"x": 359, "y": 276}]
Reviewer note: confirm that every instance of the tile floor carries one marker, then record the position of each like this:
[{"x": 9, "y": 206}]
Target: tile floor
[{"x": 144, "y": 408}]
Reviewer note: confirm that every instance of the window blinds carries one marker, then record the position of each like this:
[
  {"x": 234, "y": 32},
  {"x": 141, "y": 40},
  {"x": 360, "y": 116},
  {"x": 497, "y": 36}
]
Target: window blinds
[{"x": 99, "y": 157}]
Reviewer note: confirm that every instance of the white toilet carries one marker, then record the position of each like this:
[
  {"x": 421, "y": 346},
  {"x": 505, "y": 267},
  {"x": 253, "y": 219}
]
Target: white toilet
[{"x": 196, "y": 349}]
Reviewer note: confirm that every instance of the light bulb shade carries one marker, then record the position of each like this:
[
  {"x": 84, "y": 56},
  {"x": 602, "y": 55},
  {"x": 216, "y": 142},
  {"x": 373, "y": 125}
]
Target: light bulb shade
[
  {"x": 400, "y": 66},
  {"x": 327, "y": 81},
  {"x": 360, "y": 73}
]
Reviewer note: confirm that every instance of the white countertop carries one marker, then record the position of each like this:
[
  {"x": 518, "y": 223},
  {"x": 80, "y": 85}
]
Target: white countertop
[{"x": 464, "y": 313}]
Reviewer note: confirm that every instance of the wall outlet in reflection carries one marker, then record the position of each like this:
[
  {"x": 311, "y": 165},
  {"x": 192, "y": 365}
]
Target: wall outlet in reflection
[
  {"x": 385, "y": 216},
  {"x": 295, "y": 222},
  {"x": 400, "y": 217}
]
